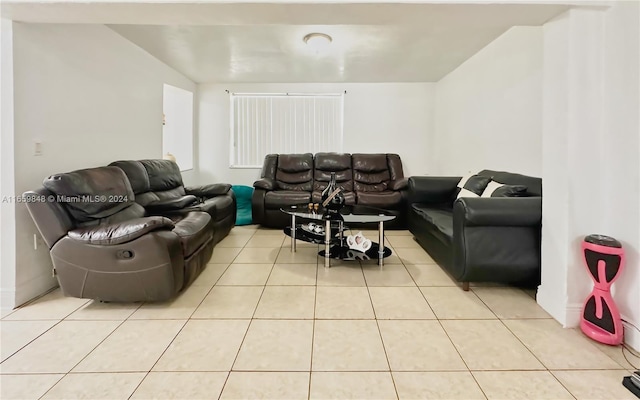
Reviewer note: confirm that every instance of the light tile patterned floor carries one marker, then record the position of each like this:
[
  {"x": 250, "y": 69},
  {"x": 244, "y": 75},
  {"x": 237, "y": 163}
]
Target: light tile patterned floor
[{"x": 261, "y": 322}]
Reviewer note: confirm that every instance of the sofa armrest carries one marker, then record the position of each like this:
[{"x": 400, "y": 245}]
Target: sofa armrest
[
  {"x": 171, "y": 204},
  {"x": 498, "y": 211},
  {"x": 264, "y": 183},
  {"x": 212, "y": 190},
  {"x": 432, "y": 189},
  {"x": 399, "y": 184},
  {"x": 121, "y": 232}
]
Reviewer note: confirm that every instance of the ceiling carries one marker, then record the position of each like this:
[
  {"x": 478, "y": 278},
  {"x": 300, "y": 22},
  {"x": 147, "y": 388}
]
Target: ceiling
[{"x": 262, "y": 42}]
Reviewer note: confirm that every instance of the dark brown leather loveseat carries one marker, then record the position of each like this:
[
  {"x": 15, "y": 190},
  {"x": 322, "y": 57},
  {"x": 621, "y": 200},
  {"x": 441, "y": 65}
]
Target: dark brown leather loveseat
[
  {"x": 374, "y": 180},
  {"x": 105, "y": 246}
]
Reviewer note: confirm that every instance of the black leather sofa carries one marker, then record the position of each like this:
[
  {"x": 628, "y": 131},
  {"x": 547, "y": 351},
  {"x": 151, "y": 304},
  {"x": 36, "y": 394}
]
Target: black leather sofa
[
  {"x": 485, "y": 239},
  {"x": 373, "y": 180}
]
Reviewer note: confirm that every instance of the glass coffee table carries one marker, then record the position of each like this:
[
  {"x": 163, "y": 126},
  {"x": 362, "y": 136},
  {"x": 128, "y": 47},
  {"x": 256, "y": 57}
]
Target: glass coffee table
[{"x": 332, "y": 234}]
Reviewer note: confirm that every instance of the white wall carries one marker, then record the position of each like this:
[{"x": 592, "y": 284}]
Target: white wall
[
  {"x": 591, "y": 142},
  {"x": 7, "y": 185},
  {"x": 378, "y": 118},
  {"x": 90, "y": 97},
  {"x": 489, "y": 109}
]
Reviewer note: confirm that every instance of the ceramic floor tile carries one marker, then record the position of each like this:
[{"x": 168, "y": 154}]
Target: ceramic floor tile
[
  {"x": 510, "y": 303},
  {"x": 287, "y": 302},
  {"x": 489, "y": 345},
  {"x": 224, "y": 255},
  {"x": 455, "y": 303},
  {"x": 210, "y": 275},
  {"x": 430, "y": 275},
  {"x": 388, "y": 275},
  {"x": 616, "y": 354},
  {"x": 180, "y": 307},
  {"x": 352, "y": 385},
  {"x": 400, "y": 303},
  {"x": 516, "y": 385},
  {"x": 299, "y": 243},
  {"x": 419, "y": 346},
  {"x": 276, "y": 345},
  {"x": 50, "y": 306},
  {"x": 437, "y": 385},
  {"x": 181, "y": 385},
  {"x": 244, "y": 229},
  {"x": 351, "y": 345},
  {"x": 134, "y": 347},
  {"x": 246, "y": 275},
  {"x": 268, "y": 231},
  {"x": 303, "y": 255},
  {"x": 293, "y": 274},
  {"x": 17, "y": 334},
  {"x": 204, "y": 345},
  {"x": 257, "y": 255},
  {"x": 343, "y": 303},
  {"x": 559, "y": 348},
  {"x": 595, "y": 385},
  {"x": 415, "y": 256},
  {"x": 265, "y": 241},
  {"x": 393, "y": 259},
  {"x": 95, "y": 386},
  {"x": 20, "y": 387},
  {"x": 229, "y": 302},
  {"x": 54, "y": 352},
  {"x": 400, "y": 242},
  {"x": 349, "y": 275},
  {"x": 237, "y": 240},
  {"x": 5, "y": 312},
  {"x": 267, "y": 385},
  {"x": 96, "y": 310},
  {"x": 401, "y": 232}
]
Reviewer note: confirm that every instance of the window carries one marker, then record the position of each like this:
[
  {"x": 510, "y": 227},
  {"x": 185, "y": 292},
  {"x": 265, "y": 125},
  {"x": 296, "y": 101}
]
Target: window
[
  {"x": 177, "y": 129},
  {"x": 263, "y": 124}
]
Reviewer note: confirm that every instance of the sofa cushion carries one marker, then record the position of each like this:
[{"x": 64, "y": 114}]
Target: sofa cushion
[
  {"x": 284, "y": 198},
  {"x": 386, "y": 199},
  {"x": 496, "y": 189},
  {"x": 136, "y": 173},
  {"x": 440, "y": 219},
  {"x": 295, "y": 172},
  {"x": 193, "y": 230},
  {"x": 92, "y": 194},
  {"x": 370, "y": 172},
  {"x": 163, "y": 175},
  {"x": 325, "y": 164}
]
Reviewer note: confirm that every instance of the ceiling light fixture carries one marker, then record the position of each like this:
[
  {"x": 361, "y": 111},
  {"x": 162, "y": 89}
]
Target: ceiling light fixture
[{"x": 317, "y": 41}]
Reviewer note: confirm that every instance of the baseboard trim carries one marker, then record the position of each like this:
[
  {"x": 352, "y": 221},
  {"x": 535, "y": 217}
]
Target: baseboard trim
[
  {"x": 631, "y": 334},
  {"x": 574, "y": 313}
]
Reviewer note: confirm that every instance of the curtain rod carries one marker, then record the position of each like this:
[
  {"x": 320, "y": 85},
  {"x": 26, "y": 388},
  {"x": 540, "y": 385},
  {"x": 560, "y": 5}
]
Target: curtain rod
[{"x": 286, "y": 94}]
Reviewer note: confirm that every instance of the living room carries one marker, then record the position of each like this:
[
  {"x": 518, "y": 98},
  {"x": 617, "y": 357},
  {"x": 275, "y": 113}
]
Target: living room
[{"x": 545, "y": 89}]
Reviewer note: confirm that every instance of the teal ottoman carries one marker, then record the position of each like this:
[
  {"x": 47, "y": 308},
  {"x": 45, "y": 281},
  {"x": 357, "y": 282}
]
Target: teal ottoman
[{"x": 243, "y": 203}]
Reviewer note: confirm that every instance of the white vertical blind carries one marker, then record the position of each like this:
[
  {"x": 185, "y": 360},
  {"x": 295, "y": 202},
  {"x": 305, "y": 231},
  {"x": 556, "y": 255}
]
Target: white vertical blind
[{"x": 264, "y": 124}]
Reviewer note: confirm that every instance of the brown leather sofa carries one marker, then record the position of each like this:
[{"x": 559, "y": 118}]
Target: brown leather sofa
[
  {"x": 374, "y": 180},
  {"x": 103, "y": 244},
  {"x": 158, "y": 187}
]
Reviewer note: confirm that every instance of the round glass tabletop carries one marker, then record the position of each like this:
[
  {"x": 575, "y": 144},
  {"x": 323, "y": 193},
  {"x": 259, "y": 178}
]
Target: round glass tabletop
[{"x": 360, "y": 214}]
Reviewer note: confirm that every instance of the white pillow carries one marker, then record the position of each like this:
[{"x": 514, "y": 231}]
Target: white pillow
[
  {"x": 466, "y": 193},
  {"x": 491, "y": 187}
]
